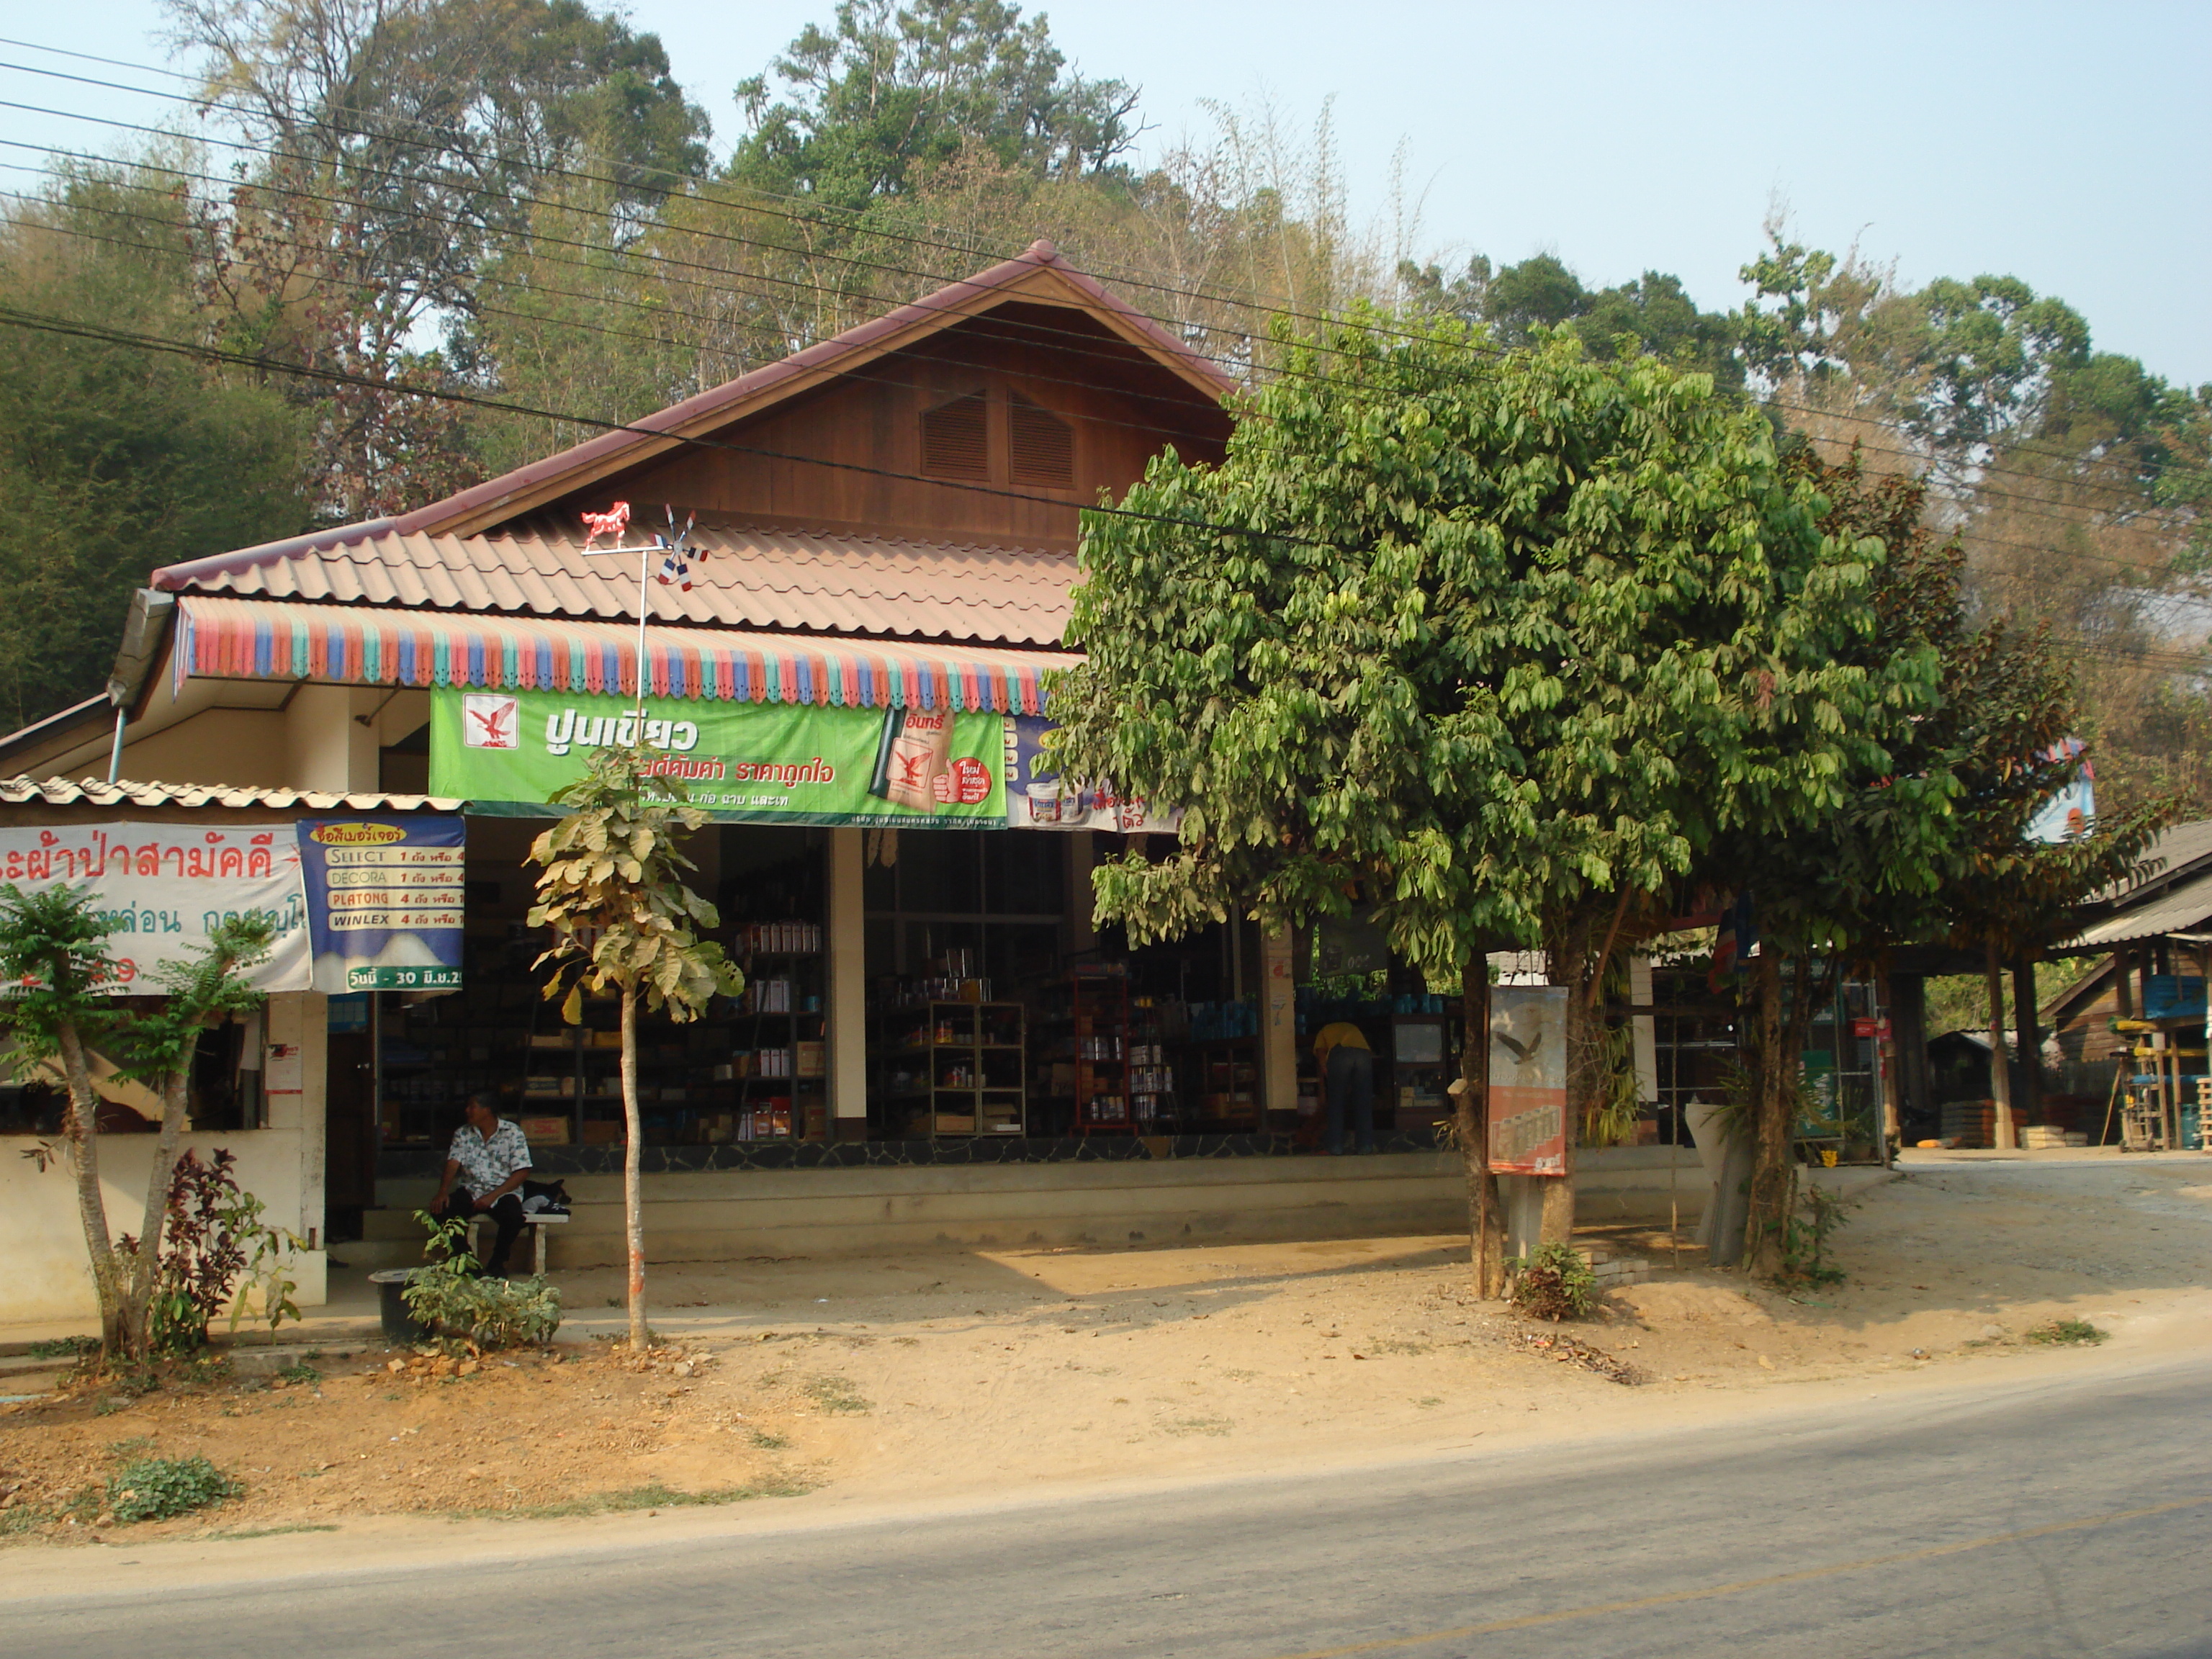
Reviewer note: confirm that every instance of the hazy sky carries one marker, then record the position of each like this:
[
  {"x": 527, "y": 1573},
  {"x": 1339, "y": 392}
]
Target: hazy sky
[{"x": 2064, "y": 144}]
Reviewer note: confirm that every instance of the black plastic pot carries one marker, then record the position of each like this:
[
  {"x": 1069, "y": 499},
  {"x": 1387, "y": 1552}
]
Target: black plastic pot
[{"x": 398, "y": 1319}]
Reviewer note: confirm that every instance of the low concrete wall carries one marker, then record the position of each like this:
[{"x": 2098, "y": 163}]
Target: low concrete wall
[
  {"x": 714, "y": 1216},
  {"x": 47, "y": 1276}
]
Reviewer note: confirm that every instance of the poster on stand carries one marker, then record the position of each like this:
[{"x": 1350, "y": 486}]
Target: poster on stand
[
  {"x": 1528, "y": 1080},
  {"x": 507, "y": 752},
  {"x": 163, "y": 888},
  {"x": 385, "y": 901}
]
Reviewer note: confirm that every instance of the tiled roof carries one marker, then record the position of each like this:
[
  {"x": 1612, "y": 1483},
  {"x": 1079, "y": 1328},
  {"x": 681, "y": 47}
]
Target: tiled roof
[
  {"x": 774, "y": 579},
  {"x": 91, "y": 792}
]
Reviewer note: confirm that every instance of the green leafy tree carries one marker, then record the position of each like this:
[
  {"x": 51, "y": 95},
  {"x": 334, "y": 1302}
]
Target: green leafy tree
[
  {"x": 125, "y": 460},
  {"x": 1509, "y": 644},
  {"x": 62, "y": 1003},
  {"x": 404, "y": 145},
  {"x": 1653, "y": 314},
  {"x": 1929, "y": 844},
  {"x": 888, "y": 88},
  {"x": 611, "y": 889}
]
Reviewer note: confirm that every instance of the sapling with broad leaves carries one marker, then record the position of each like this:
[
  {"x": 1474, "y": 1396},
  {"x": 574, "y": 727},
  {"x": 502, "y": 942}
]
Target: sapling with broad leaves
[{"x": 611, "y": 887}]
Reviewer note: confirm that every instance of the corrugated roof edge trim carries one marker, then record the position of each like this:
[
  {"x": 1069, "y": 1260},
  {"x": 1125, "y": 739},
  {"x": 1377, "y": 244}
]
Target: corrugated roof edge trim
[{"x": 245, "y": 639}]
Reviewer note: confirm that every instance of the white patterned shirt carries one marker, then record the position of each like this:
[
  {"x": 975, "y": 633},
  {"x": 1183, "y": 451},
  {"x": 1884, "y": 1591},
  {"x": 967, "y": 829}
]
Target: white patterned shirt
[{"x": 486, "y": 1164}]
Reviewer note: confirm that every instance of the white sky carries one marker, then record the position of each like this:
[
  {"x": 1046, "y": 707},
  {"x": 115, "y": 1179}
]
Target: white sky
[{"x": 2064, "y": 144}]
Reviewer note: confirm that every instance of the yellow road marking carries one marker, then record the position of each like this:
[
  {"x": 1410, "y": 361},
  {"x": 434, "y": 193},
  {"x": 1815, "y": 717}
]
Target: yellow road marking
[{"x": 1601, "y": 1609}]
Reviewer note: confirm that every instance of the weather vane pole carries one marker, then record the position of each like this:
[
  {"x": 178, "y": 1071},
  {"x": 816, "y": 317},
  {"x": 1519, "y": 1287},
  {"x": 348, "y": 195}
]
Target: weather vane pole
[{"x": 676, "y": 554}]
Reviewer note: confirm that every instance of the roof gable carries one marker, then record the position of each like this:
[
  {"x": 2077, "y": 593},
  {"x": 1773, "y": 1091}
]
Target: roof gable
[{"x": 1037, "y": 277}]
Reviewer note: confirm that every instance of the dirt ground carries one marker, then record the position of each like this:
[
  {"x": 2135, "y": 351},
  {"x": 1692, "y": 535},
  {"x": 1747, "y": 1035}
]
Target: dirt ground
[{"x": 975, "y": 1371}]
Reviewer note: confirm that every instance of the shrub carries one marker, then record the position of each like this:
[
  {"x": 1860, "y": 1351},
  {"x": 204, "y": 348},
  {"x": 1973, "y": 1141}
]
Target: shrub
[
  {"x": 2059, "y": 1331},
  {"x": 214, "y": 1238},
  {"x": 1554, "y": 1284},
  {"x": 454, "y": 1297},
  {"x": 155, "y": 1488}
]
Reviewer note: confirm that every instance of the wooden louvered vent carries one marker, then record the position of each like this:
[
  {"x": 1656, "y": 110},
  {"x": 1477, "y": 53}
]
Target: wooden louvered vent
[
  {"x": 1042, "y": 445},
  {"x": 952, "y": 442}
]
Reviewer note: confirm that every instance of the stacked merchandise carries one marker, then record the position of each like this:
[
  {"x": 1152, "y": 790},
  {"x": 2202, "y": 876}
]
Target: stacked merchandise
[
  {"x": 2042, "y": 1136},
  {"x": 1970, "y": 1122},
  {"x": 781, "y": 939}
]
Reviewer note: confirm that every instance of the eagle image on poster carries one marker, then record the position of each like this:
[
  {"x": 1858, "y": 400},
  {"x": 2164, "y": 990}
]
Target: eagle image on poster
[{"x": 1528, "y": 1080}]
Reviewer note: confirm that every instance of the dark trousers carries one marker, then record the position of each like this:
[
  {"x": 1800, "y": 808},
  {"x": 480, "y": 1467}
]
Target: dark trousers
[
  {"x": 1351, "y": 1089},
  {"x": 506, "y": 1215}
]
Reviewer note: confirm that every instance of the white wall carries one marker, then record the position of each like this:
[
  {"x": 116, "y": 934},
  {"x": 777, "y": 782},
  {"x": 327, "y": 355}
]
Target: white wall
[
  {"x": 42, "y": 1242},
  {"x": 47, "y": 1276}
]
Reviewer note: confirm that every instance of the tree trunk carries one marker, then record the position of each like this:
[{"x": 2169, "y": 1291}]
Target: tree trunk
[
  {"x": 145, "y": 1269},
  {"x": 1769, "y": 1125},
  {"x": 1999, "y": 1068},
  {"x": 632, "y": 1197},
  {"x": 1567, "y": 961},
  {"x": 82, "y": 1127},
  {"x": 1486, "y": 1216}
]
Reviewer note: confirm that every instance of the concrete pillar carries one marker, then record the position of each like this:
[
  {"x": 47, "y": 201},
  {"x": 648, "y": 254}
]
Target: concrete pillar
[
  {"x": 294, "y": 1066},
  {"x": 1278, "y": 1024},
  {"x": 1523, "y": 1197},
  {"x": 325, "y": 746},
  {"x": 844, "y": 932},
  {"x": 1081, "y": 935},
  {"x": 1644, "y": 1030}
]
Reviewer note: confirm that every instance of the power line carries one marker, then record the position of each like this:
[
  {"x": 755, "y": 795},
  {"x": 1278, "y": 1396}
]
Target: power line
[
  {"x": 782, "y": 345},
  {"x": 854, "y": 262},
  {"x": 11, "y": 317},
  {"x": 551, "y": 323},
  {"x": 1076, "y": 344}
]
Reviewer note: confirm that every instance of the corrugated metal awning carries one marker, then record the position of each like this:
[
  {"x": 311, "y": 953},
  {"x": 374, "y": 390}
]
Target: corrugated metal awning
[
  {"x": 2187, "y": 909},
  {"x": 360, "y": 645},
  {"x": 91, "y": 792}
]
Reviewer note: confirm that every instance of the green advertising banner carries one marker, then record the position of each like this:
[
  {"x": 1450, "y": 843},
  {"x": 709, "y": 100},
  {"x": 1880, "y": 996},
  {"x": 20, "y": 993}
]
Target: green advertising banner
[{"x": 506, "y": 753}]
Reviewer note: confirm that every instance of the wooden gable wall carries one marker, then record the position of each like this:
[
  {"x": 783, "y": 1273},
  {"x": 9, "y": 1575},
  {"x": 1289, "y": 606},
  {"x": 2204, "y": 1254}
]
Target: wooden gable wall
[{"x": 1119, "y": 408}]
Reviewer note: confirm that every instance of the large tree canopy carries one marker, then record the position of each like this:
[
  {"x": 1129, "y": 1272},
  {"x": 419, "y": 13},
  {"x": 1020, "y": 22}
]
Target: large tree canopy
[
  {"x": 1510, "y": 641},
  {"x": 887, "y": 87}
]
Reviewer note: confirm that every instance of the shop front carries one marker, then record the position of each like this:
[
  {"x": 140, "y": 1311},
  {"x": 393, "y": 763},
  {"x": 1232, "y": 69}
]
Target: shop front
[{"x": 907, "y": 891}]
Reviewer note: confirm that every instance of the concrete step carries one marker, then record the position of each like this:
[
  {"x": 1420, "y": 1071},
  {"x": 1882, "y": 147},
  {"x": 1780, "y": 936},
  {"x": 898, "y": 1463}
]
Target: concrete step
[{"x": 371, "y": 1253}]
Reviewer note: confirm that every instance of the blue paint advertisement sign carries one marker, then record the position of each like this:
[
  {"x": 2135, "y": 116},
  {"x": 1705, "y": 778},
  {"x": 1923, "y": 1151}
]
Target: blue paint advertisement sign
[{"x": 385, "y": 901}]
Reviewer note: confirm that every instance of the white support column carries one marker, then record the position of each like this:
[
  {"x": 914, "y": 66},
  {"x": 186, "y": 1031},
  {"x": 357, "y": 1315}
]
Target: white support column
[
  {"x": 1645, "y": 1030},
  {"x": 1278, "y": 1023},
  {"x": 294, "y": 1063},
  {"x": 844, "y": 932}
]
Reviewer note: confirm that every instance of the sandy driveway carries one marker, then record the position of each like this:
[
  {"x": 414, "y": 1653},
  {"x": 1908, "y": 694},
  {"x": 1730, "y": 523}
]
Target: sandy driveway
[{"x": 989, "y": 1372}]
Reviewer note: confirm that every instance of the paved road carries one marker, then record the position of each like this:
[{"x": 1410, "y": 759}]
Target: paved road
[{"x": 2052, "y": 1518}]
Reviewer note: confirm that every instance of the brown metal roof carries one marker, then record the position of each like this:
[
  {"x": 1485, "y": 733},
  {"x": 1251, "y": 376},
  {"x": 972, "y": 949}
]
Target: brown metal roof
[
  {"x": 91, "y": 792},
  {"x": 1037, "y": 274},
  {"x": 862, "y": 586}
]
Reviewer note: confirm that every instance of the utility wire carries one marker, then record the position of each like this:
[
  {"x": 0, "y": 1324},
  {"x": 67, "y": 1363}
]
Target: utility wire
[
  {"x": 1227, "y": 365},
  {"x": 1978, "y": 538},
  {"x": 782, "y": 346}
]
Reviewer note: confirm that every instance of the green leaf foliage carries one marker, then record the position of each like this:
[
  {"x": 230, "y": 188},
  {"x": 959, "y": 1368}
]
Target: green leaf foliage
[
  {"x": 53, "y": 960},
  {"x": 1505, "y": 640},
  {"x": 613, "y": 891}
]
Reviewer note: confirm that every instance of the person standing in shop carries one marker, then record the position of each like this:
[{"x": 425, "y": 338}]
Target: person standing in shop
[
  {"x": 1347, "y": 1073},
  {"x": 485, "y": 1170}
]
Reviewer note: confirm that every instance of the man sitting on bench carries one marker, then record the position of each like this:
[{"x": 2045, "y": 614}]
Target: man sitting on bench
[{"x": 489, "y": 1157}]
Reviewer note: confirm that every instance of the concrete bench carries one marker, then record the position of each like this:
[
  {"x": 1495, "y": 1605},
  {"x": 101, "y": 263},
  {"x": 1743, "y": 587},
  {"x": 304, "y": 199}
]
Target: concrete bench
[{"x": 537, "y": 1221}]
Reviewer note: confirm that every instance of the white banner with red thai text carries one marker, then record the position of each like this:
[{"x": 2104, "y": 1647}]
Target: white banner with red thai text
[{"x": 164, "y": 888}]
